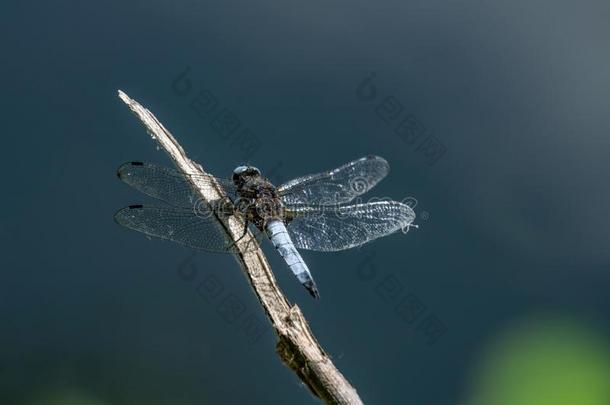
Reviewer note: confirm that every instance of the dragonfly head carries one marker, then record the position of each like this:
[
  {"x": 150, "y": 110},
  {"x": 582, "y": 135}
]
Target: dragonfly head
[{"x": 241, "y": 172}]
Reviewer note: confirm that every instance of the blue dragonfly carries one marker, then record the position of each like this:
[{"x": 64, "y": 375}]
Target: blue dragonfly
[{"x": 312, "y": 212}]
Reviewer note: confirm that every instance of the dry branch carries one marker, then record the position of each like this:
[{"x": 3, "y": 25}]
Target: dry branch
[{"x": 297, "y": 346}]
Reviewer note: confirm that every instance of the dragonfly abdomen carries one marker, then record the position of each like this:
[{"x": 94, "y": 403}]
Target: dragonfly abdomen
[{"x": 276, "y": 230}]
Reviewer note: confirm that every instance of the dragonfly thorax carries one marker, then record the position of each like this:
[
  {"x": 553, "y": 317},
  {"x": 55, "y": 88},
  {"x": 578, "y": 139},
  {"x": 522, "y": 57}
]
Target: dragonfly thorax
[{"x": 257, "y": 199}]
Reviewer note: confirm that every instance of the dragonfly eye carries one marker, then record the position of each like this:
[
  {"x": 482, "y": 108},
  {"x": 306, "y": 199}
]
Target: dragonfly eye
[
  {"x": 246, "y": 171},
  {"x": 242, "y": 172}
]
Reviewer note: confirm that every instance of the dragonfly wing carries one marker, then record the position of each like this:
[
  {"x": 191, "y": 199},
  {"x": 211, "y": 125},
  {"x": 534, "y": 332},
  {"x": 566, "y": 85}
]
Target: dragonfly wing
[
  {"x": 200, "y": 231},
  {"x": 337, "y": 186},
  {"x": 167, "y": 184},
  {"x": 329, "y": 229}
]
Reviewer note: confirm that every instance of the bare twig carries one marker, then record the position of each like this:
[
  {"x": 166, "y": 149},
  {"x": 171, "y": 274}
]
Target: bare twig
[{"x": 297, "y": 346}]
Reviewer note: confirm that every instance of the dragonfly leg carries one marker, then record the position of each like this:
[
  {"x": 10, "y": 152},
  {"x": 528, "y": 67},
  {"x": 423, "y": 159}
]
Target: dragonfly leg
[
  {"x": 234, "y": 243},
  {"x": 245, "y": 231},
  {"x": 227, "y": 206}
]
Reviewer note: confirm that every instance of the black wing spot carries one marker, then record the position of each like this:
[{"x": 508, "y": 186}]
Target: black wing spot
[
  {"x": 122, "y": 168},
  {"x": 137, "y": 206}
]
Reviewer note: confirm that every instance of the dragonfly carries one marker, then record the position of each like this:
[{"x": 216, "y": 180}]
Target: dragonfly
[{"x": 318, "y": 212}]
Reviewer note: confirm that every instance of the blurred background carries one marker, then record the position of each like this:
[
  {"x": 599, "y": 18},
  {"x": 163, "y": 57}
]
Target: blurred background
[{"x": 493, "y": 116}]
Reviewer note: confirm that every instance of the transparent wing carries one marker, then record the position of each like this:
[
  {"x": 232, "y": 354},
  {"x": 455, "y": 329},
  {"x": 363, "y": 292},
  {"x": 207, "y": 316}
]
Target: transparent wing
[
  {"x": 178, "y": 225},
  {"x": 337, "y": 186},
  {"x": 329, "y": 229},
  {"x": 167, "y": 184}
]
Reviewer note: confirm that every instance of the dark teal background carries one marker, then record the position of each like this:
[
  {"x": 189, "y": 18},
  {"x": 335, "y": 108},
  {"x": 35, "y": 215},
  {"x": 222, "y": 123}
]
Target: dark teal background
[{"x": 513, "y": 217}]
